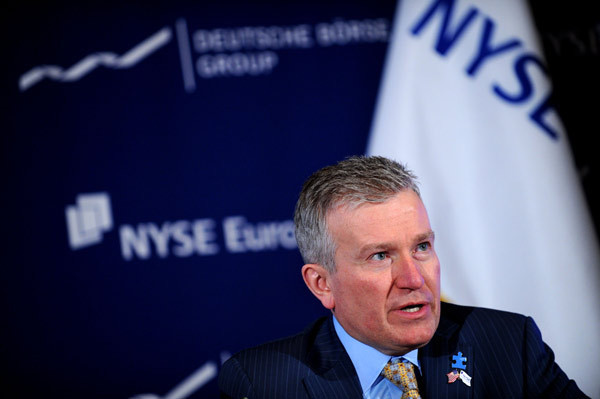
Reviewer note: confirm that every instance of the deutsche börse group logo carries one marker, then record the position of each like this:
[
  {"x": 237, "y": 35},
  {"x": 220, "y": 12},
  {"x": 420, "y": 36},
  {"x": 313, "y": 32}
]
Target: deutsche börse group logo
[
  {"x": 220, "y": 52},
  {"x": 88, "y": 219},
  {"x": 95, "y": 60}
]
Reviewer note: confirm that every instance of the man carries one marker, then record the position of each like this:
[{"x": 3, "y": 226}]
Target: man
[{"x": 365, "y": 237}]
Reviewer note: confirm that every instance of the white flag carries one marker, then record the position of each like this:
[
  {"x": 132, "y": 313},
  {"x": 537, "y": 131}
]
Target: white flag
[{"x": 466, "y": 103}]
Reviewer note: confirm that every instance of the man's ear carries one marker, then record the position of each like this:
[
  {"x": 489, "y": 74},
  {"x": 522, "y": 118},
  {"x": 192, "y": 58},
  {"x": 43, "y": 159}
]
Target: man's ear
[{"x": 318, "y": 280}]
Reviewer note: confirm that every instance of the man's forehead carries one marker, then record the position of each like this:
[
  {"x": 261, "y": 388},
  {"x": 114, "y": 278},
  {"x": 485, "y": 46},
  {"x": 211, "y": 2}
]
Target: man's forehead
[{"x": 345, "y": 217}]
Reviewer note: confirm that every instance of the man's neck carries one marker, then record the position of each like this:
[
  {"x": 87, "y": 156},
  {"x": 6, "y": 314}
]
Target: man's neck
[{"x": 368, "y": 361}]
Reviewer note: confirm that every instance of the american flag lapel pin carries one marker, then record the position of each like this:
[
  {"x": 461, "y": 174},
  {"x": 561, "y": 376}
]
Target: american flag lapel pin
[{"x": 452, "y": 376}]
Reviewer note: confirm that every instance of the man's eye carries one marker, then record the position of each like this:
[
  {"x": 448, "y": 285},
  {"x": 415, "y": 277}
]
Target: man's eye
[
  {"x": 424, "y": 246},
  {"x": 379, "y": 256}
]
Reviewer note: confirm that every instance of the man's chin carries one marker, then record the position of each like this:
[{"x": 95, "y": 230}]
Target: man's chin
[
  {"x": 417, "y": 338},
  {"x": 401, "y": 345}
]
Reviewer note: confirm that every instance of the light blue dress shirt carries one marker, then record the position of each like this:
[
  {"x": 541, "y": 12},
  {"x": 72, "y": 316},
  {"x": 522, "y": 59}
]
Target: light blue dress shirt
[{"x": 368, "y": 363}]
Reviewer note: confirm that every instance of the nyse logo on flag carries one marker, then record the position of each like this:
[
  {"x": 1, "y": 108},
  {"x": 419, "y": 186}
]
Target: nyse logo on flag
[
  {"x": 455, "y": 24},
  {"x": 88, "y": 219}
]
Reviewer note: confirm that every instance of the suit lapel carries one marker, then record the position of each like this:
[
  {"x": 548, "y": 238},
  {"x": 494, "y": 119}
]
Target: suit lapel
[
  {"x": 436, "y": 362},
  {"x": 337, "y": 382},
  {"x": 334, "y": 374}
]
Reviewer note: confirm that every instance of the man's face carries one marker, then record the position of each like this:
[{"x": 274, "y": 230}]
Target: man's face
[{"x": 385, "y": 290}]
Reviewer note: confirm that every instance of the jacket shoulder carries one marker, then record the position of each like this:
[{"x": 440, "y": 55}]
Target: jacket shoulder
[
  {"x": 468, "y": 322},
  {"x": 294, "y": 346},
  {"x": 467, "y": 314},
  {"x": 273, "y": 369}
]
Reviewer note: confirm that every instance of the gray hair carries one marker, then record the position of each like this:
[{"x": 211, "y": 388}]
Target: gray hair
[{"x": 353, "y": 181}]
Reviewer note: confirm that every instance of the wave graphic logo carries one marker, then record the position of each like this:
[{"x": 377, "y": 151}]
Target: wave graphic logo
[
  {"x": 88, "y": 219},
  {"x": 93, "y": 61}
]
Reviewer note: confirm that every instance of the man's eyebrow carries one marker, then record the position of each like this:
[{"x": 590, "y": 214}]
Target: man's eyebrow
[
  {"x": 430, "y": 235},
  {"x": 384, "y": 246},
  {"x": 378, "y": 247}
]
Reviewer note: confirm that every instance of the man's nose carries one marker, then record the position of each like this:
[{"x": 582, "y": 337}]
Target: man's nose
[{"x": 407, "y": 273}]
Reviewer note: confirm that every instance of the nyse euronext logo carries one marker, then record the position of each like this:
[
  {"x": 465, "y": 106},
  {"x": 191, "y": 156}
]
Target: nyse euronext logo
[
  {"x": 88, "y": 219},
  {"x": 91, "y": 218}
]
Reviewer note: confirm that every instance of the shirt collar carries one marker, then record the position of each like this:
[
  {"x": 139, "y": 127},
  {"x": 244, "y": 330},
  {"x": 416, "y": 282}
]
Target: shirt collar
[{"x": 368, "y": 361}]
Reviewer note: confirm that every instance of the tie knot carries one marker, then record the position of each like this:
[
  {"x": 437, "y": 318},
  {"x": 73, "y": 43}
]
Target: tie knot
[{"x": 401, "y": 372}]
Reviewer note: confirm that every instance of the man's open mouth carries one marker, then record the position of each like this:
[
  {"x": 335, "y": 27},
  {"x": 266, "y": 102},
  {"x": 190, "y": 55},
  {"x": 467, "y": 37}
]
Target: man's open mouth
[{"x": 412, "y": 308}]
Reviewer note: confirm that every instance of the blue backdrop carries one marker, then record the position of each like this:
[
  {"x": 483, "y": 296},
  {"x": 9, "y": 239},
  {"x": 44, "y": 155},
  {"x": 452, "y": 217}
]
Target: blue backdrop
[
  {"x": 152, "y": 154},
  {"x": 153, "y": 159}
]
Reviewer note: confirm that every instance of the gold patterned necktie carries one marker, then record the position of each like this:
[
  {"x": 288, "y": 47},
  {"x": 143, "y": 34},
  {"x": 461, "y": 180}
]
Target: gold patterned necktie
[{"x": 402, "y": 373}]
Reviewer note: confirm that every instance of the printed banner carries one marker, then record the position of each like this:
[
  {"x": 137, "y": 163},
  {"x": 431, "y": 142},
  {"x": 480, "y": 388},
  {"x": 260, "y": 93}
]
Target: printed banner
[{"x": 152, "y": 157}]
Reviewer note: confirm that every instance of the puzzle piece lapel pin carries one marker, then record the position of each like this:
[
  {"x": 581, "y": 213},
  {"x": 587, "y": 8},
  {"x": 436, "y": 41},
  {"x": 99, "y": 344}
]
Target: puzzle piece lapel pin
[{"x": 459, "y": 365}]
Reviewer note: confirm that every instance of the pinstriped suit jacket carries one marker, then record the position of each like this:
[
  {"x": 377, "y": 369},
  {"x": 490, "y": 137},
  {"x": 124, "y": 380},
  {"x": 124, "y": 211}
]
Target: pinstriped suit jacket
[{"x": 506, "y": 358}]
